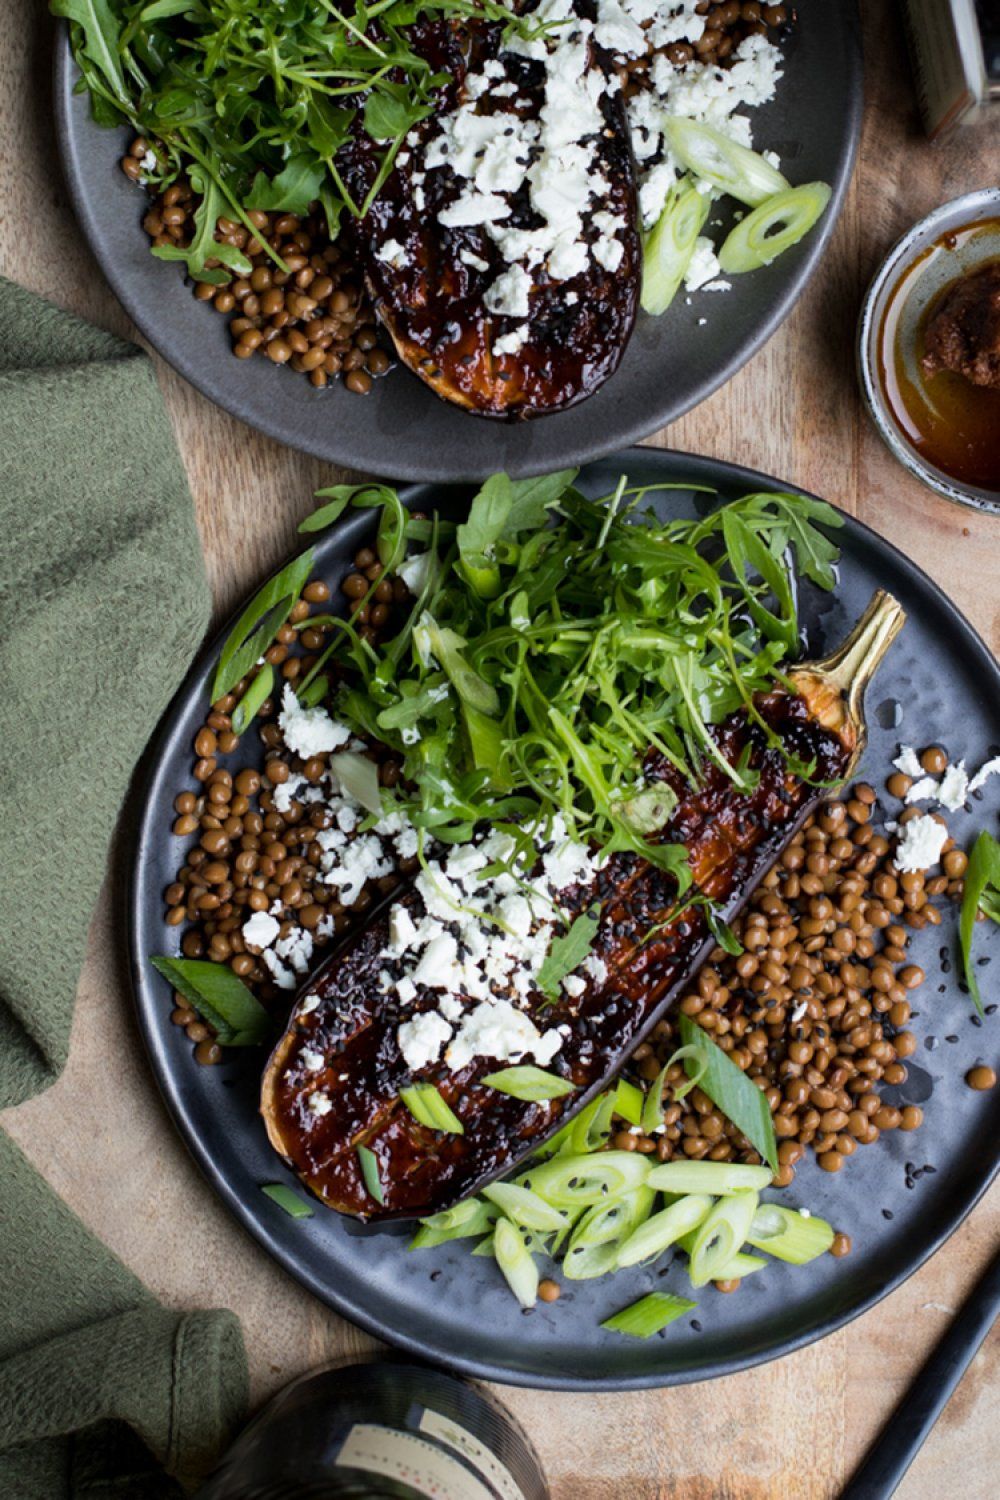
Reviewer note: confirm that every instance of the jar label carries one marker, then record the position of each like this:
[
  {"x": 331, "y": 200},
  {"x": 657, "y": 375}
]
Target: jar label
[
  {"x": 411, "y": 1460},
  {"x": 464, "y": 1442}
]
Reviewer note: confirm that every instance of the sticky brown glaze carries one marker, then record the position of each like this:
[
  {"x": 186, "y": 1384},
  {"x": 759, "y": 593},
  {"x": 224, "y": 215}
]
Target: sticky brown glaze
[
  {"x": 432, "y": 302},
  {"x": 731, "y": 841}
]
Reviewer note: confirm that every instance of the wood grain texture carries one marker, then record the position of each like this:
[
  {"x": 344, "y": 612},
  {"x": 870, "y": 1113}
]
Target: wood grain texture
[{"x": 792, "y": 1430}]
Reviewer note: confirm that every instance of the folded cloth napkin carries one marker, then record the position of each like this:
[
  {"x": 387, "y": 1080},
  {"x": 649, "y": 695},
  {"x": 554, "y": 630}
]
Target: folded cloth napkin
[{"x": 104, "y": 1394}]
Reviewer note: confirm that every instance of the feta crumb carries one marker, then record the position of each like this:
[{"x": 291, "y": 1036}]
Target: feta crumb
[
  {"x": 260, "y": 930},
  {"x": 991, "y": 768},
  {"x": 319, "y": 1103},
  {"x": 920, "y": 844},
  {"x": 511, "y": 343},
  {"x": 574, "y": 986},
  {"x": 924, "y": 790},
  {"x": 908, "y": 762},
  {"x": 393, "y": 254},
  {"x": 954, "y": 788},
  {"x": 421, "y": 1039},
  {"x": 703, "y": 266},
  {"x": 308, "y": 731},
  {"x": 312, "y": 1060},
  {"x": 309, "y": 1004}
]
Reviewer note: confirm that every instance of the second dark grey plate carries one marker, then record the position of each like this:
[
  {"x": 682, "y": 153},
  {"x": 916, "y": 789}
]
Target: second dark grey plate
[
  {"x": 671, "y": 364},
  {"x": 453, "y": 1307}
]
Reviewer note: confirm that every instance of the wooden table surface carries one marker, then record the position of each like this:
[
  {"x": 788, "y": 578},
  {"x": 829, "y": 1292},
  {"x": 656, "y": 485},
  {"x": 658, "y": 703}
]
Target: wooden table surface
[{"x": 791, "y": 1430}]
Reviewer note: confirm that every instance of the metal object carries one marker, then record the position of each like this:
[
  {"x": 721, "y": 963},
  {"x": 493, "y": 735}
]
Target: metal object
[{"x": 956, "y": 215}]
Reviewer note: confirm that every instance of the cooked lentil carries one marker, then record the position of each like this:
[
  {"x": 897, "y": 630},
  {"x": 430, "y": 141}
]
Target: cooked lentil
[{"x": 315, "y": 317}]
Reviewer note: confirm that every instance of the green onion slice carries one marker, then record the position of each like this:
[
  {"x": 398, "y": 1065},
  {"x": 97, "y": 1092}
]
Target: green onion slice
[
  {"x": 728, "y": 1087},
  {"x": 359, "y": 777},
  {"x": 669, "y": 246},
  {"x": 514, "y": 1260},
  {"x": 578, "y": 1181},
  {"x": 778, "y": 224},
  {"x": 592, "y": 1126},
  {"x": 651, "y": 1313},
  {"x": 981, "y": 877},
  {"x": 664, "y": 1229},
  {"x": 524, "y": 1207},
  {"x": 221, "y": 997},
  {"x": 720, "y": 1235},
  {"x": 788, "y": 1235},
  {"x": 464, "y": 1221},
  {"x": 370, "y": 1172},
  {"x": 728, "y": 166},
  {"x": 595, "y": 1242},
  {"x": 741, "y": 1265},
  {"x": 246, "y": 710},
  {"x": 527, "y": 1082},
  {"x": 282, "y": 1195},
  {"x": 426, "y": 1105},
  {"x": 628, "y": 1102},
  {"x": 720, "y": 1178}
]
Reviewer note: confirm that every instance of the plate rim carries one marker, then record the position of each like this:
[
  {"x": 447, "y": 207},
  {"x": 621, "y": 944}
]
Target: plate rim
[
  {"x": 168, "y": 1077},
  {"x": 418, "y": 465}
]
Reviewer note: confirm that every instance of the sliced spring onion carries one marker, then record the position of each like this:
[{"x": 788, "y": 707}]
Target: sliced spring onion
[
  {"x": 597, "y": 1238},
  {"x": 981, "y": 878},
  {"x": 369, "y": 1171},
  {"x": 281, "y": 1194},
  {"x": 220, "y": 996},
  {"x": 720, "y": 1178},
  {"x": 728, "y": 166},
  {"x": 534, "y": 1243},
  {"x": 359, "y": 777},
  {"x": 527, "y": 1082},
  {"x": 741, "y": 1265},
  {"x": 523, "y": 1206},
  {"x": 464, "y": 1221},
  {"x": 514, "y": 1260},
  {"x": 628, "y": 1102},
  {"x": 788, "y": 1235},
  {"x": 578, "y": 1181},
  {"x": 246, "y": 710},
  {"x": 592, "y": 1126},
  {"x": 652, "y": 1107},
  {"x": 651, "y": 1313},
  {"x": 426, "y": 1105},
  {"x": 720, "y": 1236},
  {"x": 731, "y": 1090},
  {"x": 778, "y": 224},
  {"x": 669, "y": 246},
  {"x": 664, "y": 1229}
]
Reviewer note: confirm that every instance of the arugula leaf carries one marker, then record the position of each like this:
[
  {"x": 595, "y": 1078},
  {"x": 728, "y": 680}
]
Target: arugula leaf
[
  {"x": 729, "y": 1088},
  {"x": 221, "y": 997},
  {"x": 293, "y": 190},
  {"x": 98, "y": 42},
  {"x": 982, "y": 887},
  {"x": 567, "y": 953}
]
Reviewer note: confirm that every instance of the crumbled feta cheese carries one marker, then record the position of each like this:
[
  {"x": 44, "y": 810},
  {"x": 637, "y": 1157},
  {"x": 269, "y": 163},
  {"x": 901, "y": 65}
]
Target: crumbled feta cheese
[
  {"x": 470, "y": 258},
  {"x": 296, "y": 948},
  {"x": 393, "y": 254},
  {"x": 508, "y": 296},
  {"x": 991, "y": 768},
  {"x": 703, "y": 265},
  {"x": 260, "y": 930},
  {"x": 320, "y": 1104},
  {"x": 574, "y": 986},
  {"x": 421, "y": 1039},
  {"x": 510, "y": 343},
  {"x": 312, "y": 1060},
  {"x": 308, "y": 731},
  {"x": 497, "y": 1029},
  {"x": 283, "y": 977},
  {"x": 908, "y": 762},
  {"x": 924, "y": 790},
  {"x": 308, "y": 1005},
  {"x": 920, "y": 844},
  {"x": 595, "y": 966}
]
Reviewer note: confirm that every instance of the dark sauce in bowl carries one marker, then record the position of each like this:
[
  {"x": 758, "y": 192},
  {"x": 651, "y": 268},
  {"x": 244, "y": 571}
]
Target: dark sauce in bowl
[{"x": 950, "y": 423}]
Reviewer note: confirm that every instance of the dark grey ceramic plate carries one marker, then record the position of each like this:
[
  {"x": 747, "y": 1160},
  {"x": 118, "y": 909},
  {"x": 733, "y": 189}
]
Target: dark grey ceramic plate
[
  {"x": 452, "y": 1307},
  {"x": 402, "y": 428}
]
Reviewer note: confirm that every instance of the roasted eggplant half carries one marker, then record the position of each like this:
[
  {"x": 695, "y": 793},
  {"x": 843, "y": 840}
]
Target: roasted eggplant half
[
  {"x": 341, "y": 1051},
  {"x": 502, "y": 252}
]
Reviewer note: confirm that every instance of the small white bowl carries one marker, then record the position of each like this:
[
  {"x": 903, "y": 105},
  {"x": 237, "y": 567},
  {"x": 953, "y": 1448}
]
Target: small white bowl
[{"x": 957, "y": 215}]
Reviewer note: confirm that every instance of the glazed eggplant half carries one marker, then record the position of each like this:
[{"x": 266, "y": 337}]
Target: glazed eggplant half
[
  {"x": 502, "y": 252},
  {"x": 342, "y": 1043}
]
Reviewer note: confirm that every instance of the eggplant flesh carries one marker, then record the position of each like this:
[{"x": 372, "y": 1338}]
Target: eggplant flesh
[
  {"x": 433, "y": 283},
  {"x": 731, "y": 837}
]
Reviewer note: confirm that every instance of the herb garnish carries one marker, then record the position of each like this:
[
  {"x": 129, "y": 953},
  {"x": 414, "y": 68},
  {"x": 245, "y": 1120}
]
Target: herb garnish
[
  {"x": 729, "y": 1088},
  {"x": 221, "y": 997},
  {"x": 254, "y": 99},
  {"x": 981, "y": 893}
]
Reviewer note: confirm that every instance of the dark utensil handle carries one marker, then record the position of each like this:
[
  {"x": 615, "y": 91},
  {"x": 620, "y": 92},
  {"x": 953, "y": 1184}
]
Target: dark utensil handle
[{"x": 903, "y": 1435}]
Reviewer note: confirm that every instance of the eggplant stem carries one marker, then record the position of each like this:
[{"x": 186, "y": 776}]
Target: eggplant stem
[{"x": 836, "y": 685}]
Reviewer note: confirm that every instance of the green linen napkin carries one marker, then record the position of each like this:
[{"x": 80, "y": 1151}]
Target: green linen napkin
[{"x": 104, "y": 1394}]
